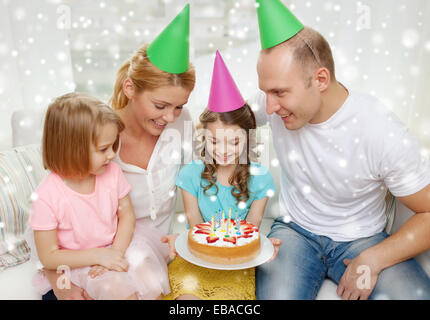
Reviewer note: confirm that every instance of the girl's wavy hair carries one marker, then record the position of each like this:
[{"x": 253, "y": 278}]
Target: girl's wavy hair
[{"x": 245, "y": 119}]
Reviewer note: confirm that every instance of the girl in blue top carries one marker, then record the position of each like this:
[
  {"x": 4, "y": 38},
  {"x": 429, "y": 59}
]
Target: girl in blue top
[{"x": 224, "y": 179}]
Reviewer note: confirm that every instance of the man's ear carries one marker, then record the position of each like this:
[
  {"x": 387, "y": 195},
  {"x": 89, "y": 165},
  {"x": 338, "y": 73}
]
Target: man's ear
[
  {"x": 128, "y": 88},
  {"x": 322, "y": 78}
]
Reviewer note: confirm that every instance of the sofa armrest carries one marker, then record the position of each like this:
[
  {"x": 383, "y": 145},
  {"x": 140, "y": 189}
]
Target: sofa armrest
[{"x": 21, "y": 170}]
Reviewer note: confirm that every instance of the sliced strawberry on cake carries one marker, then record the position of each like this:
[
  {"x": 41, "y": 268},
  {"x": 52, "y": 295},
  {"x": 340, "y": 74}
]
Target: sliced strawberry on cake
[
  {"x": 246, "y": 225},
  {"x": 203, "y": 226},
  {"x": 203, "y": 231},
  {"x": 212, "y": 239},
  {"x": 230, "y": 239},
  {"x": 245, "y": 236}
]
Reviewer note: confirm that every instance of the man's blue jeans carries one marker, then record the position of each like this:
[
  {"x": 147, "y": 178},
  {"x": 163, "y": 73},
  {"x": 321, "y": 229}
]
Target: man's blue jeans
[{"x": 305, "y": 259}]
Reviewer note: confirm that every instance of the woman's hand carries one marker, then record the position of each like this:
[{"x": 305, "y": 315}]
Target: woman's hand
[
  {"x": 96, "y": 271},
  {"x": 276, "y": 244},
  {"x": 170, "y": 239},
  {"x": 112, "y": 259}
]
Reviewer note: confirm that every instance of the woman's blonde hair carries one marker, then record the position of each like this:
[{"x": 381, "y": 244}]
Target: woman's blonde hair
[
  {"x": 245, "y": 119},
  {"x": 146, "y": 76},
  {"x": 72, "y": 124}
]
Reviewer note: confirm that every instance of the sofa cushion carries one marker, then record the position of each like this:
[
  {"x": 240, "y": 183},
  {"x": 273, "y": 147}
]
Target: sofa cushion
[
  {"x": 16, "y": 283},
  {"x": 21, "y": 170}
]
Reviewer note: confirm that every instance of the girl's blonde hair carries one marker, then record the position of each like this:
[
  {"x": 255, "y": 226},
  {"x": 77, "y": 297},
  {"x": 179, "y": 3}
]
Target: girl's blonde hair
[
  {"x": 245, "y": 119},
  {"x": 146, "y": 76},
  {"x": 72, "y": 123}
]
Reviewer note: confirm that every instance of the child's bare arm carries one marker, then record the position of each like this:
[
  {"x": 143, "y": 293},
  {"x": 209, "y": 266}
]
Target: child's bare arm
[
  {"x": 191, "y": 207},
  {"x": 51, "y": 256},
  {"x": 194, "y": 217},
  {"x": 126, "y": 224},
  {"x": 256, "y": 212}
]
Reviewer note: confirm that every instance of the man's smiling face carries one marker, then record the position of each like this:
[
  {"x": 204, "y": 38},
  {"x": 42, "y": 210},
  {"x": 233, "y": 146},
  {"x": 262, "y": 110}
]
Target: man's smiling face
[{"x": 288, "y": 93}]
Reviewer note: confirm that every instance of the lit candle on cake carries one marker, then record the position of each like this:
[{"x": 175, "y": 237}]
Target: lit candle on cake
[
  {"x": 212, "y": 234},
  {"x": 223, "y": 222},
  {"x": 236, "y": 224}
]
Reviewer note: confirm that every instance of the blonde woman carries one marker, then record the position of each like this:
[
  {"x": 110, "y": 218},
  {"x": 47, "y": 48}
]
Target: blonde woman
[{"x": 150, "y": 92}]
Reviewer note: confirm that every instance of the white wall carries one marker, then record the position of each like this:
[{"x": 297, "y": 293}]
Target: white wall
[
  {"x": 35, "y": 63},
  {"x": 381, "y": 47}
]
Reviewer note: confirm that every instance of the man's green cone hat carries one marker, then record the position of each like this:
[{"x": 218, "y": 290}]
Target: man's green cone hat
[{"x": 277, "y": 23}]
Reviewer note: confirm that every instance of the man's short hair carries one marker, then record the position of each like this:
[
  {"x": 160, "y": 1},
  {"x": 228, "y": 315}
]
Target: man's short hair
[{"x": 311, "y": 51}]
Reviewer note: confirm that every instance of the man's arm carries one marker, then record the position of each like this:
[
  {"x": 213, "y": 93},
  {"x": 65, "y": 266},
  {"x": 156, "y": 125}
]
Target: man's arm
[{"x": 409, "y": 241}]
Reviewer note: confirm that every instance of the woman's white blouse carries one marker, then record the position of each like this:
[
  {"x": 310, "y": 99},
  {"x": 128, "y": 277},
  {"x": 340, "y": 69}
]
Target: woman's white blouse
[{"x": 153, "y": 191}]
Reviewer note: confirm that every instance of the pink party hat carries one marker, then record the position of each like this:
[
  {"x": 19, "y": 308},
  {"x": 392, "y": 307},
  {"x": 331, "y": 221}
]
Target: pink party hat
[{"x": 224, "y": 95}]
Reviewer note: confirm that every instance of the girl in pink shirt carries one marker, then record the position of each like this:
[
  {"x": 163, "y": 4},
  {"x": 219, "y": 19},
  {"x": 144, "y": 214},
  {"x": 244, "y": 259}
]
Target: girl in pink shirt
[{"x": 82, "y": 217}]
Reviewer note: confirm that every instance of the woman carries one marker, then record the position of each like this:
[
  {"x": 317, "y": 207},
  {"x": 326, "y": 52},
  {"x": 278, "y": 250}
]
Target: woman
[{"x": 150, "y": 91}]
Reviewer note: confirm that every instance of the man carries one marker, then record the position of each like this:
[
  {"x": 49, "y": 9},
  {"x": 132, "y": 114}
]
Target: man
[{"x": 339, "y": 151}]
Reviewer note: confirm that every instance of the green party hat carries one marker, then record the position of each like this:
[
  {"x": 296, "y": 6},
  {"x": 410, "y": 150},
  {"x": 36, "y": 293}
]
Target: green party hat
[
  {"x": 170, "y": 50},
  {"x": 277, "y": 23}
]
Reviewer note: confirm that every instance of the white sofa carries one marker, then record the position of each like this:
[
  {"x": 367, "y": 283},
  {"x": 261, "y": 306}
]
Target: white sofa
[{"x": 15, "y": 282}]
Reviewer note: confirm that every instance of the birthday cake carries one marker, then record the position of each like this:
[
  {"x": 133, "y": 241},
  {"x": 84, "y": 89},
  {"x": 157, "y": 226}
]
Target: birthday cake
[{"x": 224, "y": 242}]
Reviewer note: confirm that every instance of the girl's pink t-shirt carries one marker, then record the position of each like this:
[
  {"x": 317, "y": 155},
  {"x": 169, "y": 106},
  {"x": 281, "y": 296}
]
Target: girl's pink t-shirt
[{"x": 82, "y": 221}]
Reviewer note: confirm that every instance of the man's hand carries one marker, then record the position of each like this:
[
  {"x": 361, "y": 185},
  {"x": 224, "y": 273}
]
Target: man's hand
[{"x": 359, "y": 279}]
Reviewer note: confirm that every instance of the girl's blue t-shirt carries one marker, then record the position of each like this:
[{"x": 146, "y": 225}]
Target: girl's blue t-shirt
[{"x": 211, "y": 203}]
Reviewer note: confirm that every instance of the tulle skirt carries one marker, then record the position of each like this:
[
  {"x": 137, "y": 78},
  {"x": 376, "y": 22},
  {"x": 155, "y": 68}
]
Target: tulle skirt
[{"x": 147, "y": 274}]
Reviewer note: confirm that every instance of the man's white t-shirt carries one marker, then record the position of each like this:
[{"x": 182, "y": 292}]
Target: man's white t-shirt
[{"x": 335, "y": 174}]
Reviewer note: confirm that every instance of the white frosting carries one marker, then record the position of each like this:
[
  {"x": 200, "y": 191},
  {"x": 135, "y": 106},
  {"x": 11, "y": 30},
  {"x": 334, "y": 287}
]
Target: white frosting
[{"x": 201, "y": 237}]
